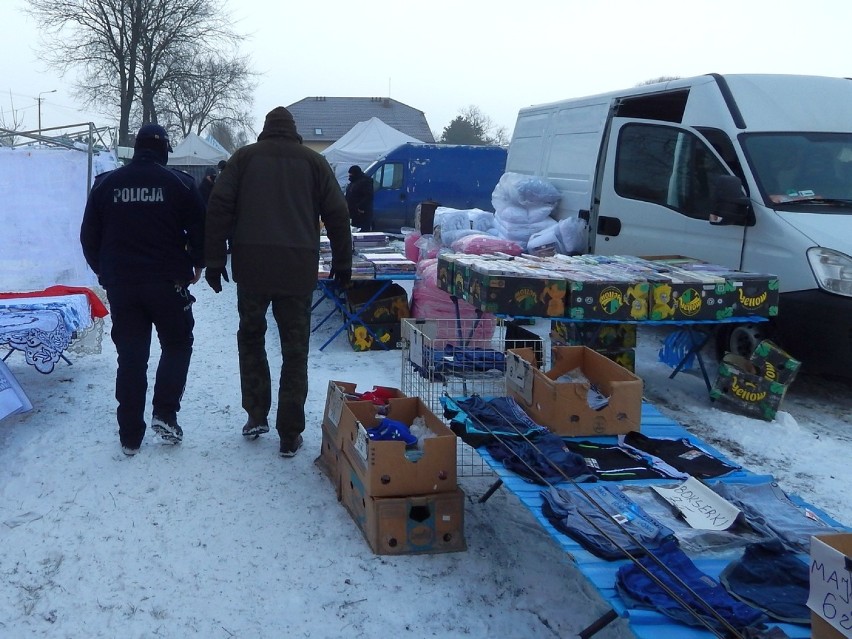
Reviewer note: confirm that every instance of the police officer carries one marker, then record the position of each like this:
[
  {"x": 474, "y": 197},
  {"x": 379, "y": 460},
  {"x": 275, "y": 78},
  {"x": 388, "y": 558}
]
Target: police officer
[{"x": 143, "y": 236}]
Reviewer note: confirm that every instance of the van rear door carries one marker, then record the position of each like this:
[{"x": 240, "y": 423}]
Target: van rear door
[{"x": 653, "y": 197}]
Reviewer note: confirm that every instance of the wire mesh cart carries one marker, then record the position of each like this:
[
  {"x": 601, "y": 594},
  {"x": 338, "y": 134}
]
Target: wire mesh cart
[{"x": 460, "y": 358}]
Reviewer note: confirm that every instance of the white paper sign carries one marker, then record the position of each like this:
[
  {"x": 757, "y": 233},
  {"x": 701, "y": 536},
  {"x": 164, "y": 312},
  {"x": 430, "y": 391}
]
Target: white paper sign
[
  {"x": 415, "y": 349},
  {"x": 701, "y": 507},
  {"x": 362, "y": 442},
  {"x": 831, "y": 586},
  {"x": 335, "y": 404},
  {"x": 519, "y": 376}
]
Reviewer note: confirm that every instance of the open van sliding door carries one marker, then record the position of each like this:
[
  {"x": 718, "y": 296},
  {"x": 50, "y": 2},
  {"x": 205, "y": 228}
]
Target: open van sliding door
[{"x": 653, "y": 196}]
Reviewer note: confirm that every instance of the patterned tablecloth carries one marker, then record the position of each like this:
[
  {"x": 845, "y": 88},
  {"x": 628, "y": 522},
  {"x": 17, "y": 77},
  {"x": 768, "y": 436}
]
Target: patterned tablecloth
[{"x": 43, "y": 327}]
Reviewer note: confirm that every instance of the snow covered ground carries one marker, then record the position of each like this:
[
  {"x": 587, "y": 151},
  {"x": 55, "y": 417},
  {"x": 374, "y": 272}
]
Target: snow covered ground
[{"x": 222, "y": 538}]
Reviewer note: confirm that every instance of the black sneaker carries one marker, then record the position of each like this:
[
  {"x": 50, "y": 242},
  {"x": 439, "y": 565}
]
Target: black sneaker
[
  {"x": 254, "y": 428},
  {"x": 168, "y": 429},
  {"x": 289, "y": 446}
]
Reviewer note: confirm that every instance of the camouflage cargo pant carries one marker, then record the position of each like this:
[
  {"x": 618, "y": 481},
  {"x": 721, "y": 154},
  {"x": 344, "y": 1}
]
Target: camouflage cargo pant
[{"x": 293, "y": 317}]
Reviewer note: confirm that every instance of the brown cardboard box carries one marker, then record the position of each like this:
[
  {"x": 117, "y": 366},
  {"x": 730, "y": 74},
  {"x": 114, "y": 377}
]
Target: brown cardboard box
[
  {"x": 563, "y": 406},
  {"x": 406, "y": 525},
  {"x": 829, "y": 587},
  {"x": 379, "y": 337},
  {"x": 524, "y": 293},
  {"x": 391, "y": 307},
  {"x": 756, "y": 385},
  {"x": 338, "y": 394},
  {"x": 330, "y": 460},
  {"x": 388, "y": 468}
]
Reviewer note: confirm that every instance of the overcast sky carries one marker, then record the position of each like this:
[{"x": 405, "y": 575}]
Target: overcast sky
[{"x": 443, "y": 55}]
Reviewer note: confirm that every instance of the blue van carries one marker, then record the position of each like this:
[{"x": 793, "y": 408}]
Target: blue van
[{"x": 457, "y": 176}]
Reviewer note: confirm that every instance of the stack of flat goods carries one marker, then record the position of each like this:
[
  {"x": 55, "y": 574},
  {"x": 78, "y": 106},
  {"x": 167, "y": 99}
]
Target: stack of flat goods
[
  {"x": 367, "y": 240},
  {"x": 362, "y": 269},
  {"x": 387, "y": 263}
]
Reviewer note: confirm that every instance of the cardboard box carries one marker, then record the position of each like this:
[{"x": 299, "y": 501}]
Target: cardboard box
[
  {"x": 519, "y": 337},
  {"x": 756, "y": 294},
  {"x": 388, "y": 468},
  {"x": 831, "y": 610},
  {"x": 599, "y": 298},
  {"x": 741, "y": 385},
  {"x": 513, "y": 290},
  {"x": 563, "y": 406},
  {"x": 407, "y": 525},
  {"x": 330, "y": 460},
  {"x": 383, "y": 336},
  {"x": 337, "y": 395},
  {"x": 446, "y": 272},
  {"x": 625, "y": 357},
  {"x": 756, "y": 385},
  {"x": 775, "y": 363},
  {"x": 675, "y": 298},
  {"x": 390, "y": 307},
  {"x": 596, "y": 335}
]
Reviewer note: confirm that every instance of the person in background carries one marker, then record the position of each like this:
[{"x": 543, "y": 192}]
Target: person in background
[
  {"x": 142, "y": 234},
  {"x": 206, "y": 186},
  {"x": 359, "y": 198},
  {"x": 269, "y": 200}
]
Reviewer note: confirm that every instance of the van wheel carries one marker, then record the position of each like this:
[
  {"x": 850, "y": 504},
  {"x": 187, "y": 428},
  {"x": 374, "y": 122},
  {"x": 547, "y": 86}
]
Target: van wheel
[{"x": 740, "y": 339}]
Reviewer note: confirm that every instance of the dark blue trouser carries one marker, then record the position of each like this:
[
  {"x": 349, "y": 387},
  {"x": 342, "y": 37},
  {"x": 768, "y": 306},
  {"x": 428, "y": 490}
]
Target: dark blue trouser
[
  {"x": 292, "y": 315},
  {"x": 135, "y": 309}
]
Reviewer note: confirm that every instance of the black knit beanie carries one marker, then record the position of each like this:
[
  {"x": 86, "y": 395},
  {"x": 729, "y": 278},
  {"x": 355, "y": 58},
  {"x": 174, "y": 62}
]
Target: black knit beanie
[{"x": 279, "y": 122}]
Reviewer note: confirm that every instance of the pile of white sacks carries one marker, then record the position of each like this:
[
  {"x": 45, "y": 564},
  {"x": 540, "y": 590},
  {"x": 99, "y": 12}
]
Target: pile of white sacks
[{"x": 521, "y": 222}]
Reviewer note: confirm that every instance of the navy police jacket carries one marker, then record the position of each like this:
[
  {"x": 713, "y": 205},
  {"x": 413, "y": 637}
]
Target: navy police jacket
[{"x": 143, "y": 222}]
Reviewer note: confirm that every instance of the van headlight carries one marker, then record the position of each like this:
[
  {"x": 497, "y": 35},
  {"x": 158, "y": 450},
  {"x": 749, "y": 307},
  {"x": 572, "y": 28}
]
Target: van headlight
[{"x": 832, "y": 269}]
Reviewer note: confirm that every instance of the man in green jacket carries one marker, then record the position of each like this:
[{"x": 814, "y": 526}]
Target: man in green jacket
[{"x": 268, "y": 201}]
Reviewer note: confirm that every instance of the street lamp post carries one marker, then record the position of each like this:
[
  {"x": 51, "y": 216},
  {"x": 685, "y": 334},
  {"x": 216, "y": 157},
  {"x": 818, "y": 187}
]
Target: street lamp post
[{"x": 39, "y": 99}]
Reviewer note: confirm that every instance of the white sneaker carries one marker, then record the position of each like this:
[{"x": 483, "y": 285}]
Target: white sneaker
[{"x": 130, "y": 452}]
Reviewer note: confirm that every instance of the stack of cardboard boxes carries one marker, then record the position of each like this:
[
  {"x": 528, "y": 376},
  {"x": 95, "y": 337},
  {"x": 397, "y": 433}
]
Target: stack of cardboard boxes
[
  {"x": 404, "y": 499},
  {"x": 608, "y": 288}
]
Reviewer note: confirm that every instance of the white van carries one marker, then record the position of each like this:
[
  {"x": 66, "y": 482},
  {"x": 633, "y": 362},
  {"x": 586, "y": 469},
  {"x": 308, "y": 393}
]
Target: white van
[{"x": 750, "y": 171}]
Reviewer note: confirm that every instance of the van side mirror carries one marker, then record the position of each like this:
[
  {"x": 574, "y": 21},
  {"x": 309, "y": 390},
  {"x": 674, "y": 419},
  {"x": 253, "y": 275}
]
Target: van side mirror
[{"x": 729, "y": 204}]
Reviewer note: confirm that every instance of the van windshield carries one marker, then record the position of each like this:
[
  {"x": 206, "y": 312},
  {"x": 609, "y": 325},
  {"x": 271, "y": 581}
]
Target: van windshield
[{"x": 807, "y": 169}]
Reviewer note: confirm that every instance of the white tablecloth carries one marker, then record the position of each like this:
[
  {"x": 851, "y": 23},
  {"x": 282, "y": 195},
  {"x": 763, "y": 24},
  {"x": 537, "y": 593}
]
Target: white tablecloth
[{"x": 43, "y": 327}]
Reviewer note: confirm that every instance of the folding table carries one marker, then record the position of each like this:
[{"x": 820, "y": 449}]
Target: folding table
[{"x": 330, "y": 291}]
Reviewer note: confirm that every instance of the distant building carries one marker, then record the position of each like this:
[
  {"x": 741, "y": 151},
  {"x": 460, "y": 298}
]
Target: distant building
[{"x": 321, "y": 121}]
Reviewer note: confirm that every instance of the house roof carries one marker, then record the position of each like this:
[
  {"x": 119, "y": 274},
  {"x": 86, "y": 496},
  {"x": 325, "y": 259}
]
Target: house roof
[{"x": 326, "y": 119}]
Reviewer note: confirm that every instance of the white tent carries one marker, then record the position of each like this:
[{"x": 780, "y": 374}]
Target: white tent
[
  {"x": 363, "y": 143},
  {"x": 195, "y": 151}
]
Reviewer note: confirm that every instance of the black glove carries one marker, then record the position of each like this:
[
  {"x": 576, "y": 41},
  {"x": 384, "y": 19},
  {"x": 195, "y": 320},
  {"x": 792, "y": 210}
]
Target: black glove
[
  {"x": 214, "y": 276},
  {"x": 342, "y": 277}
]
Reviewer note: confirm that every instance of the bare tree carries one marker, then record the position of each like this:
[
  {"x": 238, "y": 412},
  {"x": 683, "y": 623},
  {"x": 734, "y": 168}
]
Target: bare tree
[
  {"x": 209, "y": 92},
  {"x": 229, "y": 137},
  {"x": 472, "y": 126},
  {"x": 127, "y": 49}
]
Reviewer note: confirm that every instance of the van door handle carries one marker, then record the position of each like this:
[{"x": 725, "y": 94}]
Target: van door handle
[
  {"x": 401, "y": 196},
  {"x": 609, "y": 225}
]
